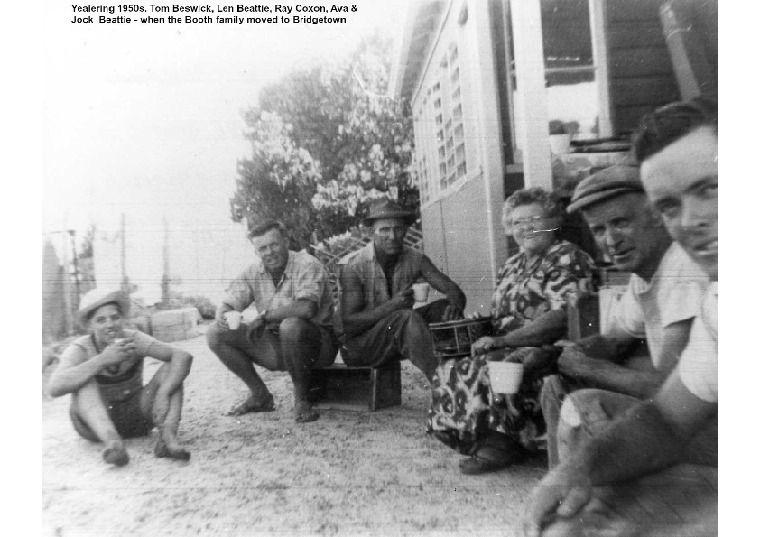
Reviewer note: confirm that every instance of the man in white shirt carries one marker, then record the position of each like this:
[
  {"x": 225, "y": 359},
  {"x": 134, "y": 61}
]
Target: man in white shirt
[
  {"x": 678, "y": 148},
  {"x": 662, "y": 298}
]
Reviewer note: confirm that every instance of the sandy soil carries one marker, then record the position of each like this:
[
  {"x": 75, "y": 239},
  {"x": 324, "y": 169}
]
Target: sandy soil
[{"x": 349, "y": 473}]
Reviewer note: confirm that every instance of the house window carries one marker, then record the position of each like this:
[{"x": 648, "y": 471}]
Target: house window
[
  {"x": 575, "y": 77},
  {"x": 440, "y": 131},
  {"x": 572, "y": 93}
]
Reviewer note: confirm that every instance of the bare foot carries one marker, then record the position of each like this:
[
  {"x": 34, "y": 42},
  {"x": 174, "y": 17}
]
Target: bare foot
[
  {"x": 253, "y": 404},
  {"x": 166, "y": 450},
  {"x": 304, "y": 412},
  {"x": 116, "y": 454}
]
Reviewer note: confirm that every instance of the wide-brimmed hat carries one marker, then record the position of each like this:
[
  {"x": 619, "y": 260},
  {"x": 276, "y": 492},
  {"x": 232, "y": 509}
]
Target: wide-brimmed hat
[
  {"x": 96, "y": 298},
  {"x": 387, "y": 208},
  {"x": 609, "y": 183}
]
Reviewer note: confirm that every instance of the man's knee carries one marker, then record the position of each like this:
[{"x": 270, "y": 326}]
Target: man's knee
[
  {"x": 295, "y": 329},
  {"x": 407, "y": 318}
]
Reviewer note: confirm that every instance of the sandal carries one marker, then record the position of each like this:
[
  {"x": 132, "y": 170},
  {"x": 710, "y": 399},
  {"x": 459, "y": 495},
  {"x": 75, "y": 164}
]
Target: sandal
[
  {"x": 250, "y": 405},
  {"x": 163, "y": 451}
]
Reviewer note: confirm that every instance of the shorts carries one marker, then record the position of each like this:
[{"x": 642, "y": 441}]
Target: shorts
[{"x": 126, "y": 415}]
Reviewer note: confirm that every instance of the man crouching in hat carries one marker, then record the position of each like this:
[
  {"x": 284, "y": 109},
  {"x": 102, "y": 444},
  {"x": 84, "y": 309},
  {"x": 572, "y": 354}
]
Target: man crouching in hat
[
  {"x": 103, "y": 372},
  {"x": 379, "y": 323}
]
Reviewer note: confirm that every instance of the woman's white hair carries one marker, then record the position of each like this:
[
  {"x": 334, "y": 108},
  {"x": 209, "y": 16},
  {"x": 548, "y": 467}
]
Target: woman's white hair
[{"x": 550, "y": 201}]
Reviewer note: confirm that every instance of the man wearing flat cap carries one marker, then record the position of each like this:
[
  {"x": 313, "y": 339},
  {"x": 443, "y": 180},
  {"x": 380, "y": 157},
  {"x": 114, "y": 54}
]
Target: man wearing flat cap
[
  {"x": 376, "y": 306},
  {"x": 103, "y": 372},
  {"x": 662, "y": 298}
]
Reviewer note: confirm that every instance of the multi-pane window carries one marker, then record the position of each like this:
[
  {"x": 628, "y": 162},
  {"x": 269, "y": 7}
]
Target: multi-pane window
[{"x": 440, "y": 129}]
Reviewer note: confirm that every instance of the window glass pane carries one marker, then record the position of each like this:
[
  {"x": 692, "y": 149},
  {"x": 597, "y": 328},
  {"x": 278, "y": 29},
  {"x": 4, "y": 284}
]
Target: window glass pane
[
  {"x": 567, "y": 33},
  {"x": 572, "y": 95}
]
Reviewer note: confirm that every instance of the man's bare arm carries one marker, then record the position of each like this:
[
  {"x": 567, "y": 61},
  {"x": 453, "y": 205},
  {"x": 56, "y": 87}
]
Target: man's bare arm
[
  {"x": 179, "y": 363},
  {"x": 612, "y": 349},
  {"x": 356, "y": 319},
  {"x": 301, "y": 309},
  {"x": 75, "y": 370},
  {"x": 577, "y": 362},
  {"x": 441, "y": 282},
  {"x": 650, "y": 437}
]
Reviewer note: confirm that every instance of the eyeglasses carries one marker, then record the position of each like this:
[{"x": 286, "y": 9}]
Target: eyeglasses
[{"x": 529, "y": 221}]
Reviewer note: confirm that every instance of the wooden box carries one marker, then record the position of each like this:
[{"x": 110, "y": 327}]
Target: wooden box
[
  {"x": 356, "y": 388},
  {"x": 175, "y": 325}
]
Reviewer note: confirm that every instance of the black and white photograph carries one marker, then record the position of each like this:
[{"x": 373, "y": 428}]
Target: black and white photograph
[{"x": 379, "y": 268}]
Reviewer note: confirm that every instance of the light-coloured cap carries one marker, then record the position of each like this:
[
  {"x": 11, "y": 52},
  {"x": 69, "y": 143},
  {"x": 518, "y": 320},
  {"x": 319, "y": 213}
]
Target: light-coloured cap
[{"x": 92, "y": 300}]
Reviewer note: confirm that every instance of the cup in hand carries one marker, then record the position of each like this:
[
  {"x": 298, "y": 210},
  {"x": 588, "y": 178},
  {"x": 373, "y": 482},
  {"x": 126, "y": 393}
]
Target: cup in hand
[
  {"x": 421, "y": 291},
  {"x": 506, "y": 377},
  {"x": 233, "y": 319}
]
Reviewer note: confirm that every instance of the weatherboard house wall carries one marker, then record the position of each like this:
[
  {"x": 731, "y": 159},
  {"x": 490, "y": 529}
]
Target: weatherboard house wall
[
  {"x": 459, "y": 163},
  {"x": 482, "y": 87}
]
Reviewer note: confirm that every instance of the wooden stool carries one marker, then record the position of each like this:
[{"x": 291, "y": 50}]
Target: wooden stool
[{"x": 344, "y": 387}]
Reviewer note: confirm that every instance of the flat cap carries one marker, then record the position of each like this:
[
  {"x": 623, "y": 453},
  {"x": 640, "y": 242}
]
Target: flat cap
[{"x": 609, "y": 183}]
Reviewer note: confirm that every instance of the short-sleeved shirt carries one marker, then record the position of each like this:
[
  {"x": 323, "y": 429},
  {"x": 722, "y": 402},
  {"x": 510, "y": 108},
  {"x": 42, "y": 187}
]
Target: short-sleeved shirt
[
  {"x": 121, "y": 381},
  {"x": 698, "y": 367},
  {"x": 647, "y": 308},
  {"x": 304, "y": 278},
  {"x": 525, "y": 291}
]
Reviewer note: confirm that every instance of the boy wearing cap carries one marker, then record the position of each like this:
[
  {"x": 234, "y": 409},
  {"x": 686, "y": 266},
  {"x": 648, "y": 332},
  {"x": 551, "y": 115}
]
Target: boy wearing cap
[
  {"x": 378, "y": 321},
  {"x": 103, "y": 372},
  {"x": 662, "y": 299}
]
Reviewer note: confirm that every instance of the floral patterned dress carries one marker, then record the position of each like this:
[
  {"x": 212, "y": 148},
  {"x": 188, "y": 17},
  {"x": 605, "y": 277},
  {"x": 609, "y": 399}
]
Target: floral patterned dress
[{"x": 464, "y": 406}]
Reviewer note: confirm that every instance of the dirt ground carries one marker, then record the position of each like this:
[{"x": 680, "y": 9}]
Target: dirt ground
[{"x": 349, "y": 473}]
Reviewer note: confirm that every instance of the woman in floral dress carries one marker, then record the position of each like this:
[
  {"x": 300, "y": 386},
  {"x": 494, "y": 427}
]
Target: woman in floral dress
[{"x": 528, "y": 309}]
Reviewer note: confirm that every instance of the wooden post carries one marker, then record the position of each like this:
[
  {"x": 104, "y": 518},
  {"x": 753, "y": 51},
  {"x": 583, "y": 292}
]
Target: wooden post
[
  {"x": 68, "y": 321},
  {"x": 124, "y": 279},
  {"x": 533, "y": 115},
  {"x": 165, "y": 281}
]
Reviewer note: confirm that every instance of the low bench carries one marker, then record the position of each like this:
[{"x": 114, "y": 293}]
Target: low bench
[{"x": 344, "y": 387}]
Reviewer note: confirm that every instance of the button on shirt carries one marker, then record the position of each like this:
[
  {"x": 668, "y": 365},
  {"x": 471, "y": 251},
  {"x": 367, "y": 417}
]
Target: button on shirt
[
  {"x": 648, "y": 307},
  {"x": 304, "y": 278}
]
